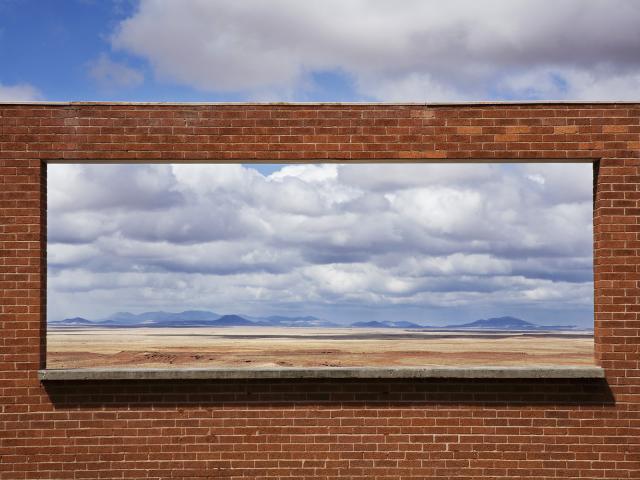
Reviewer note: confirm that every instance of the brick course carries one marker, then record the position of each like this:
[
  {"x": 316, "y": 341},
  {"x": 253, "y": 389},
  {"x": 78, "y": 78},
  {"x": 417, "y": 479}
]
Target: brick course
[{"x": 320, "y": 429}]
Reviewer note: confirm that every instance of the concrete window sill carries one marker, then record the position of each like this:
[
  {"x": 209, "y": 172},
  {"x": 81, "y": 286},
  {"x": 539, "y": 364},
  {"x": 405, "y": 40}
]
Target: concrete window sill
[{"x": 320, "y": 373}]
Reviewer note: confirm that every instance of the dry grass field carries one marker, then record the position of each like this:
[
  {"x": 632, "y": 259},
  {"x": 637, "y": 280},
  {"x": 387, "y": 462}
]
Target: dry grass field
[{"x": 309, "y": 347}]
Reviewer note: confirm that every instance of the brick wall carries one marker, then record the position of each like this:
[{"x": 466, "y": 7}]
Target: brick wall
[{"x": 353, "y": 429}]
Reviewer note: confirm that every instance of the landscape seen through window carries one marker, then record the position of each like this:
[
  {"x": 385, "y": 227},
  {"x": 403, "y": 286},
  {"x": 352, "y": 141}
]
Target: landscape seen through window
[{"x": 319, "y": 265}]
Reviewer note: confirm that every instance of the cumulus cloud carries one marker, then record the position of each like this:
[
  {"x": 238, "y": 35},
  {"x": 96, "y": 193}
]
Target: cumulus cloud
[
  {"x": 417, "y": 50},
  {"x": 21, "y": 92},
  {"x": 330, "y": 240},
  {"x": 111, "y": 74},
  {"x": 139, "y": 187}
]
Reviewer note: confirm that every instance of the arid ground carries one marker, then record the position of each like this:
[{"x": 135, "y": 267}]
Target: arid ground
[{"x": 309, "y": 347}]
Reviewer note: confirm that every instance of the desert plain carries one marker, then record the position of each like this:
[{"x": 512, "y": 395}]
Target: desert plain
[{"x": 288, "y": 347}]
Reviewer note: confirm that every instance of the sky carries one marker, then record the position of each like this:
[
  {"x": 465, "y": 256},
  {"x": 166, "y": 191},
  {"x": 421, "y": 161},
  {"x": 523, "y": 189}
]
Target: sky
[
  {"x": 329, "y": 50},
  {"x": 431, "y": 243}
]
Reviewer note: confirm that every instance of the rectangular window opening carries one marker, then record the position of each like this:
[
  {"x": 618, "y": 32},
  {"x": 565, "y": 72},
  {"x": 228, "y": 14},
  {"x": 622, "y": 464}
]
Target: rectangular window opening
[{"x": 319, "y": 266}]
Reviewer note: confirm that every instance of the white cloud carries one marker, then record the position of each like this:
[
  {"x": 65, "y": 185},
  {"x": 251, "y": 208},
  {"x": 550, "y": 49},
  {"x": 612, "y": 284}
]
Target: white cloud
[
  {"x": 415, "y": 50},
  {"x": 604, "y": 82},
  {"x": 411, "y": 87},
  {"x": 391, "y": 176},
  {"x": 440, "y": 210},
  {"x": 111, "y": 74},
  {"x": 307, "y": 172},
  {"x": 70, "y": 255},
  {"x": 19, "y": 93},
  {"x": 112, "y": 186},
  {"x": 456, "y": 264}
]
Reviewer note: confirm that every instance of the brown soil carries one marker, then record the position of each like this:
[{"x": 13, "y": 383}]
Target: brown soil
[{"x": 240, "y": 347}]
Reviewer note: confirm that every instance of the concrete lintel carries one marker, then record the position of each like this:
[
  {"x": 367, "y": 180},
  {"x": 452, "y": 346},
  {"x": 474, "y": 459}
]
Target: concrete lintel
[{"x": 320, "y": 373}]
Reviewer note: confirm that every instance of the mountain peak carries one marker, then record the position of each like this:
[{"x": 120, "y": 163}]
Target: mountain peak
[
  {"x": 75, "y": 321},
  {"x": 232, "y": 321},
  {"x": 386, "y": 324},
  {"x": 501, "y": 323}
]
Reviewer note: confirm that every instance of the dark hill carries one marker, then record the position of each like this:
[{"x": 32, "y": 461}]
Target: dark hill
[
  {"x": 498, "y": 323},
  {"x": 377, "y": 324},
  {"x": 74, "y": 321},
  {"x": 231, "y": 321},
  {"x": 508, "y": 323},
  {"x": 371, "y": 324}
]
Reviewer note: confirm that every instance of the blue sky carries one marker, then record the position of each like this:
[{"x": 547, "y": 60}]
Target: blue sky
[{"x": 285, "y": 50}]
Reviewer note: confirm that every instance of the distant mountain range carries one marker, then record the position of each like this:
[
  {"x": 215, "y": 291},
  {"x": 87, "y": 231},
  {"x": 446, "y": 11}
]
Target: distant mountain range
[
  {"x": 192, "y": 318},
  {"x": 508, "y": 323},
  {"x": 386, "y": 324},
  {"x": 204, "y": 318},
  {"x": 496, "y": 323}
]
